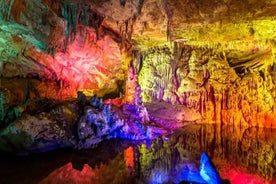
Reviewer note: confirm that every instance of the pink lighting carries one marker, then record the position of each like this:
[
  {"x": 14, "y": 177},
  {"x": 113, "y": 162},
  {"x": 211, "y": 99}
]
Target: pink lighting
[{"x": 88, "y": 64}]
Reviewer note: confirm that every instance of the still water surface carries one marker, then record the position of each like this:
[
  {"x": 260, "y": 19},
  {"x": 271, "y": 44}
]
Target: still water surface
[{"x": 242, "y": 155}]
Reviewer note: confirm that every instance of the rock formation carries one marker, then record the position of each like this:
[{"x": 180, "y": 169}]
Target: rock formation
[
  {"x": 45, "y": 125},
  {"x": 76, "y": 73},
  {"x": 215, "y": 57}
]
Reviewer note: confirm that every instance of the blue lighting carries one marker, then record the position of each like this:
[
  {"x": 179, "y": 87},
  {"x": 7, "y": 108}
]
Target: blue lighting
[{"x": 159, "y": 177}]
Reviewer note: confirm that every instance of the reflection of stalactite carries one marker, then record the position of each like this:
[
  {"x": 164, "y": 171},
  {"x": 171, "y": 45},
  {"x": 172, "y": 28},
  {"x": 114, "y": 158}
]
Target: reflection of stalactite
[{"x": 129, "y": 158}]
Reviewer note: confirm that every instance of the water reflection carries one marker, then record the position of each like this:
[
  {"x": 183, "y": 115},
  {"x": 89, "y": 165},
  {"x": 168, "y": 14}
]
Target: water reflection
[
  {"x": 243, "y": 155},
  {"x": 240, "y": 154}
]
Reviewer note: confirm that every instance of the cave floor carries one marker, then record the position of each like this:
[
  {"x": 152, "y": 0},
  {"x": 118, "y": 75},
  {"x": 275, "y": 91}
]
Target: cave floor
[{"x": 171, "y": 117}]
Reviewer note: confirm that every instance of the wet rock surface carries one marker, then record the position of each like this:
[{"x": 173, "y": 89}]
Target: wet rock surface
[{"x": 46, "y": 124}]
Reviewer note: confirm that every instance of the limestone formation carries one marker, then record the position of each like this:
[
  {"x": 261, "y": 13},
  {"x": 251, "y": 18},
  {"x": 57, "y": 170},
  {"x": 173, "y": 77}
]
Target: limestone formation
[
  {"x": 213, "y": 58},
  {"x": 76, "y": 73},
  {"x": 45, "y": 124}
]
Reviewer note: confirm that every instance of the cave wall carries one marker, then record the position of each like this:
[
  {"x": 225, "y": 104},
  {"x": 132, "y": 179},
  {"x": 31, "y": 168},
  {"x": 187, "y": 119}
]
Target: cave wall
[
  {"x": 66, "y": 46},
  {"x": 217, "y": 57},
  {"x": 231, "y": 85}
]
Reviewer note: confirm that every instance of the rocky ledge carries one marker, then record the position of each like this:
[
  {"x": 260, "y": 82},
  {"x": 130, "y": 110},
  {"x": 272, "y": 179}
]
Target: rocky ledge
[{"x": 81, "y": 123}]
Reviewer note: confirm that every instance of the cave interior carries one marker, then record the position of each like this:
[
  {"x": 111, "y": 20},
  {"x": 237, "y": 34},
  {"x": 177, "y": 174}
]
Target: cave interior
[{"x": 175, "y": 79}]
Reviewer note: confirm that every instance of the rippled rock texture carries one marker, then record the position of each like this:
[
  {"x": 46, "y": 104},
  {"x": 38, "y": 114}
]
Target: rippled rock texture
[
  {"x": 230, "y": 86},
  {"x": 63, "y": 43}
]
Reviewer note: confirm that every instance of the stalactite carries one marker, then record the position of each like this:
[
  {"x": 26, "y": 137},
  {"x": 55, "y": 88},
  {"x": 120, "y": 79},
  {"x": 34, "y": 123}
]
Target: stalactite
[
  {"x": 70, "y": 13},
  {"x": 82, "y": 14},
  {"x": 169, "y": 14},
  {"x": 2, "y": 106},
  {"x": 216, "y": 97},
  {"x": 6, "y": 6},
  {"x": 122, "y": 2}
]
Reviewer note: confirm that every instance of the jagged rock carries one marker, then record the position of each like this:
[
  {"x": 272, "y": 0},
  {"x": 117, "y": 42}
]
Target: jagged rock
[
  {"x": 37, "y": 34},
  {"x": 207, "y": 81},
  {"x": 80, "y": 123},
  {"x": 96, "y": 125},
  {"x": 37, "y": 133}
]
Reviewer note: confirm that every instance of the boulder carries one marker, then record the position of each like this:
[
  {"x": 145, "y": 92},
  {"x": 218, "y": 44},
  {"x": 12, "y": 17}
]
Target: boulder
[{"x": 35, "y": 133}]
